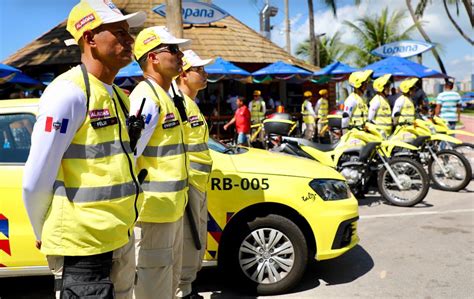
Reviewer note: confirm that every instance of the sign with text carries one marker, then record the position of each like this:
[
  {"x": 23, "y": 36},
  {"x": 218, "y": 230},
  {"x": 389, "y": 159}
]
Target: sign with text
[
  {"x": 406, "y": 48},
  {"x": 195, "y": 12}
]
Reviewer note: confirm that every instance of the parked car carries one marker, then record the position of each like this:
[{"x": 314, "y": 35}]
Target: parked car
[{"x": 269, "y": 213}]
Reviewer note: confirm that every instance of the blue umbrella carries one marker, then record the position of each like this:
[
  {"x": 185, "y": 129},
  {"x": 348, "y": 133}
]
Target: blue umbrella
[
  {"x": 281, "y": 68},
  {"x": 224, "y": 67},
  {"x": 9, "y": 74},
  {"x": 401, "y": 67},
  {"x": 131, "y": 70},
  {"x": 335, "y": 68}
]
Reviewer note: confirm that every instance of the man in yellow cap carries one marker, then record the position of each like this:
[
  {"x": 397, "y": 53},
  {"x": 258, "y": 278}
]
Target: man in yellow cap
[
  {"x": 161, "y": 151},
  {"x": 257, "y": 107},
  {"x": 322, "y": 110},
  {"x": 308, "y": 115},
  {"x": 355, "y": 107},
  {"x": 380, "y": 112},
  {"x": 196, "y": 134},
  {"x": 404, "y": 104},
  {"x": 80, "y": 187}
]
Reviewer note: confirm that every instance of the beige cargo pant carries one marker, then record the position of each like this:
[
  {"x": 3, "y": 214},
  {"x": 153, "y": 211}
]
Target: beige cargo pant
[
  {"x": 159, "y": 259},
  {"x": 122, "y": 273},
  {"x": 192, "y": 258},
  {"x": 309, "y": 131}
]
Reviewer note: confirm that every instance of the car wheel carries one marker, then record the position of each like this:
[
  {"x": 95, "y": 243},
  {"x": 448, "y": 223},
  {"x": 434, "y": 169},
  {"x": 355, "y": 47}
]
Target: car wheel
[{"x": 269, "y": 254}]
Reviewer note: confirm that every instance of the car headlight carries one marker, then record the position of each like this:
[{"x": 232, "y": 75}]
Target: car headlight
[{"x": 329, "y": 189}]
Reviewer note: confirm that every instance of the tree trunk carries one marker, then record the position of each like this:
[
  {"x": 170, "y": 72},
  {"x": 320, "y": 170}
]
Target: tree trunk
[
  {"x": 455, "y": 24},
  {"x": 468, "y": 6},
  {"x": 425, "y": 36},
  {"x": 312, "y": 38},
  {"x": 174, "y": 19}
]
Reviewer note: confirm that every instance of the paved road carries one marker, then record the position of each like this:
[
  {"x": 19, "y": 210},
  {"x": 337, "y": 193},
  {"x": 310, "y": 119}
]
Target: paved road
[{"x": 422, "y": 252}]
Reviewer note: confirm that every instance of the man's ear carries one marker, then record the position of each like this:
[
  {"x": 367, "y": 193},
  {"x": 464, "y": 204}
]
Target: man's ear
[
  {"x": 88, "y": 38},
  {"x": 153, "y": 57}
]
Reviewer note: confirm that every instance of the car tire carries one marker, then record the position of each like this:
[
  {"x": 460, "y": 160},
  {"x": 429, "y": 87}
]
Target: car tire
[{"x": 243, "y": 256}]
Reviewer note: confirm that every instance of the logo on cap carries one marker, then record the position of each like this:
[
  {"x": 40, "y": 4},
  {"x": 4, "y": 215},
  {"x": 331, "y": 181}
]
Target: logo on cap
[
  {"x": 150, "y": 39},
  {"x": 112, "y": 6},
  {"x": 84, "y": 21}
]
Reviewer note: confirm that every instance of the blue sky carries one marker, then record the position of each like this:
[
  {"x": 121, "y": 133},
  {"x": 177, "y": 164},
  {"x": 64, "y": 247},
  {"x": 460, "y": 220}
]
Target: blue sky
[{"x": 21, "y": 21}]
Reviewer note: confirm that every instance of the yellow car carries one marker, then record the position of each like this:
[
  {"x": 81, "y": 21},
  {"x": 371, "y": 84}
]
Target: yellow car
[{"x": 268, "y": 213}]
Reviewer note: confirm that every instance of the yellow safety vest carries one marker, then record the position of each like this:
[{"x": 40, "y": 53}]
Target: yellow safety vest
[
  {"x": 323, "y": 111},
  {"x": 96, "y": 196},
  {"x": 164, "y": 157},
  {"x": 307, "y": 117},
  {"x": 196, "y": 135},
  {"x": 407, "y": 113},
  {"x": 359, "y": 116},
  {"x": 383, "y": 116},
  {"x": 256, "y": 111}
]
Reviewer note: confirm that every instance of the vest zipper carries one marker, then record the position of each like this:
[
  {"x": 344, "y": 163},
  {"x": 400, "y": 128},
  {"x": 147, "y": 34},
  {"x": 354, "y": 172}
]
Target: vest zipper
[{"x": 130, "y": 164}]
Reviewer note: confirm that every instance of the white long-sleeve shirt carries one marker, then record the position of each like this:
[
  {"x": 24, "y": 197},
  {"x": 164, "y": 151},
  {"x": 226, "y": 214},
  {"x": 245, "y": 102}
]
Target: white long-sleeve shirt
[
  {"x": 64, "y": 105},
  {"x": 309, "y": 109},
  {"x": 397, "y": 107},
  {"x": 374, "y": 107},
  {"x": 151, "y": 112},
  {"x": 349, "y": 106}
]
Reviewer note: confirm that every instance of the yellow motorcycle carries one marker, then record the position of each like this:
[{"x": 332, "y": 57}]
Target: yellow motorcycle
[
  {"x": 448, "y": 169},
  {"x": 361, "y": 157}
]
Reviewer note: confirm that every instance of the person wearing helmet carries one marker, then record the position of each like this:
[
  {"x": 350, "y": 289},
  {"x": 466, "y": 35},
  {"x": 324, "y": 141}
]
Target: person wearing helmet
[
  {"x": 322, "y": 109},
  {"x": 308, "y": 115},
  {"x": 257, "y": 107},
  {"x": 380, "y": 112},
  {"x": 355, "y": 108},
  {"x": 404, "y": 104}
]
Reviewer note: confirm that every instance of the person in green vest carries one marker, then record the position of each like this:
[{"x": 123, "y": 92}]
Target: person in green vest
[
  {"x": 196, "y": 134},
  {"x": 322, "y": 110},
  {"x": 308, "y": 115},
  {"x": 80, "y": 186},
  {"x": 355, "y": 107},
  {"x": 257, "y": 108},
  {"x": 404, "y": 104},
  {"x": 161, "y": 151},
  {"x": 380, "y": 112}
]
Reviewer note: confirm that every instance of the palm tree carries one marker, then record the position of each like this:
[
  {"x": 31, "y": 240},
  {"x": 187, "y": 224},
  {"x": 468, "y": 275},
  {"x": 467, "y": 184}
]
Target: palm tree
[
  {"x": 416, "y": 20},
  {"x": 375, "y": 31},
  {"x": 331, "y": 49}
]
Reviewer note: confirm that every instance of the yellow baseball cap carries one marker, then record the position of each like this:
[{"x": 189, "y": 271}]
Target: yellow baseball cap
[
  {"x": 90, "y": 14},
  {"x": 323, "y": 92},
  {"x": 151, "y": 37},
  {"x": 408, "y": 84},
  {"x": 356, "y": 79},
  {"x": 307, "y": 94},
  {"x": 380, "y": 82},
  {"x": 191, "y": 59},
  {"x": 257, "y": 92}
]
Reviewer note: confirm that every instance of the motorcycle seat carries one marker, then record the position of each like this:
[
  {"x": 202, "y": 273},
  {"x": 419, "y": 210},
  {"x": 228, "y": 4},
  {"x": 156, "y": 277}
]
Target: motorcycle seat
[{"x": 319, "y": 146}]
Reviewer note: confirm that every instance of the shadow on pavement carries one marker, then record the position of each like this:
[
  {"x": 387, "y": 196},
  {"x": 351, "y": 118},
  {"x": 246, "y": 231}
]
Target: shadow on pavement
[
  {"x": 33, "y": 287},
  {"x": 376, "y": 200},
  {"x": 344, "y": 269}
]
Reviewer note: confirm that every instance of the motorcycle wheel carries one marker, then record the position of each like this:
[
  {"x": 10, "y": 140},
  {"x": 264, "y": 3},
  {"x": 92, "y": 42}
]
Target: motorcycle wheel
[
  {"x": 458, "y": 168},
  {"x": 413, "y": 178},
  {"x": 467, "y": 150}
]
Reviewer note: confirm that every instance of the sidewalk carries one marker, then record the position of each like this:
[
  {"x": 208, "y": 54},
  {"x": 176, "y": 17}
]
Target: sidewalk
[{"x": 468, "y": 121}]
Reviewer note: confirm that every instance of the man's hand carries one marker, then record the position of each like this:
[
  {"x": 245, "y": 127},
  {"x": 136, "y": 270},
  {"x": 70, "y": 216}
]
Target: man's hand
[
  {"x": 38, "y": 244},
  {"x": 225, "y": 127}
]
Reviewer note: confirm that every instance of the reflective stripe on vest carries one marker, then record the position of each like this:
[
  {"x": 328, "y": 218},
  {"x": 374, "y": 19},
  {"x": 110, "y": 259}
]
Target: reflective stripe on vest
[
  {"x": 94, "y": 151},
  {"x": 164, "y": 157},
  {"x": 196, "y": 137},
  {"x": 95, "y": 196},
  {"x": 359, "y": 116},
  {"x": 323, "y": 111},
  {"x": 383, "y": 115},
  {"x": 307, "y": 117}
]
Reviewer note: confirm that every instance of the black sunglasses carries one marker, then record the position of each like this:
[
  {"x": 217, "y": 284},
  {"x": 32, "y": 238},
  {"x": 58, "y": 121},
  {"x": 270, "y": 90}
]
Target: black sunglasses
[{"x": 173, "y": 49}]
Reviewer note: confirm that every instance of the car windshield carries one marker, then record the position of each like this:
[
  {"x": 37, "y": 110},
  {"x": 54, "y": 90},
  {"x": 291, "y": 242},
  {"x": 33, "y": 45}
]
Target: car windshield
[{"x": 224, "y": 148}]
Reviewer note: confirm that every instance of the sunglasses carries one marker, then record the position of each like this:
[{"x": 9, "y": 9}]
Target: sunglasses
[
  {"x": 172, "y": 49},
  {"x": 197, "y": 69}
]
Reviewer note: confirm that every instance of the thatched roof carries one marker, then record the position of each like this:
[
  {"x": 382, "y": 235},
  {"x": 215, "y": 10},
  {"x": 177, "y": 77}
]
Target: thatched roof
[{"x": 228, "y": 38}]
